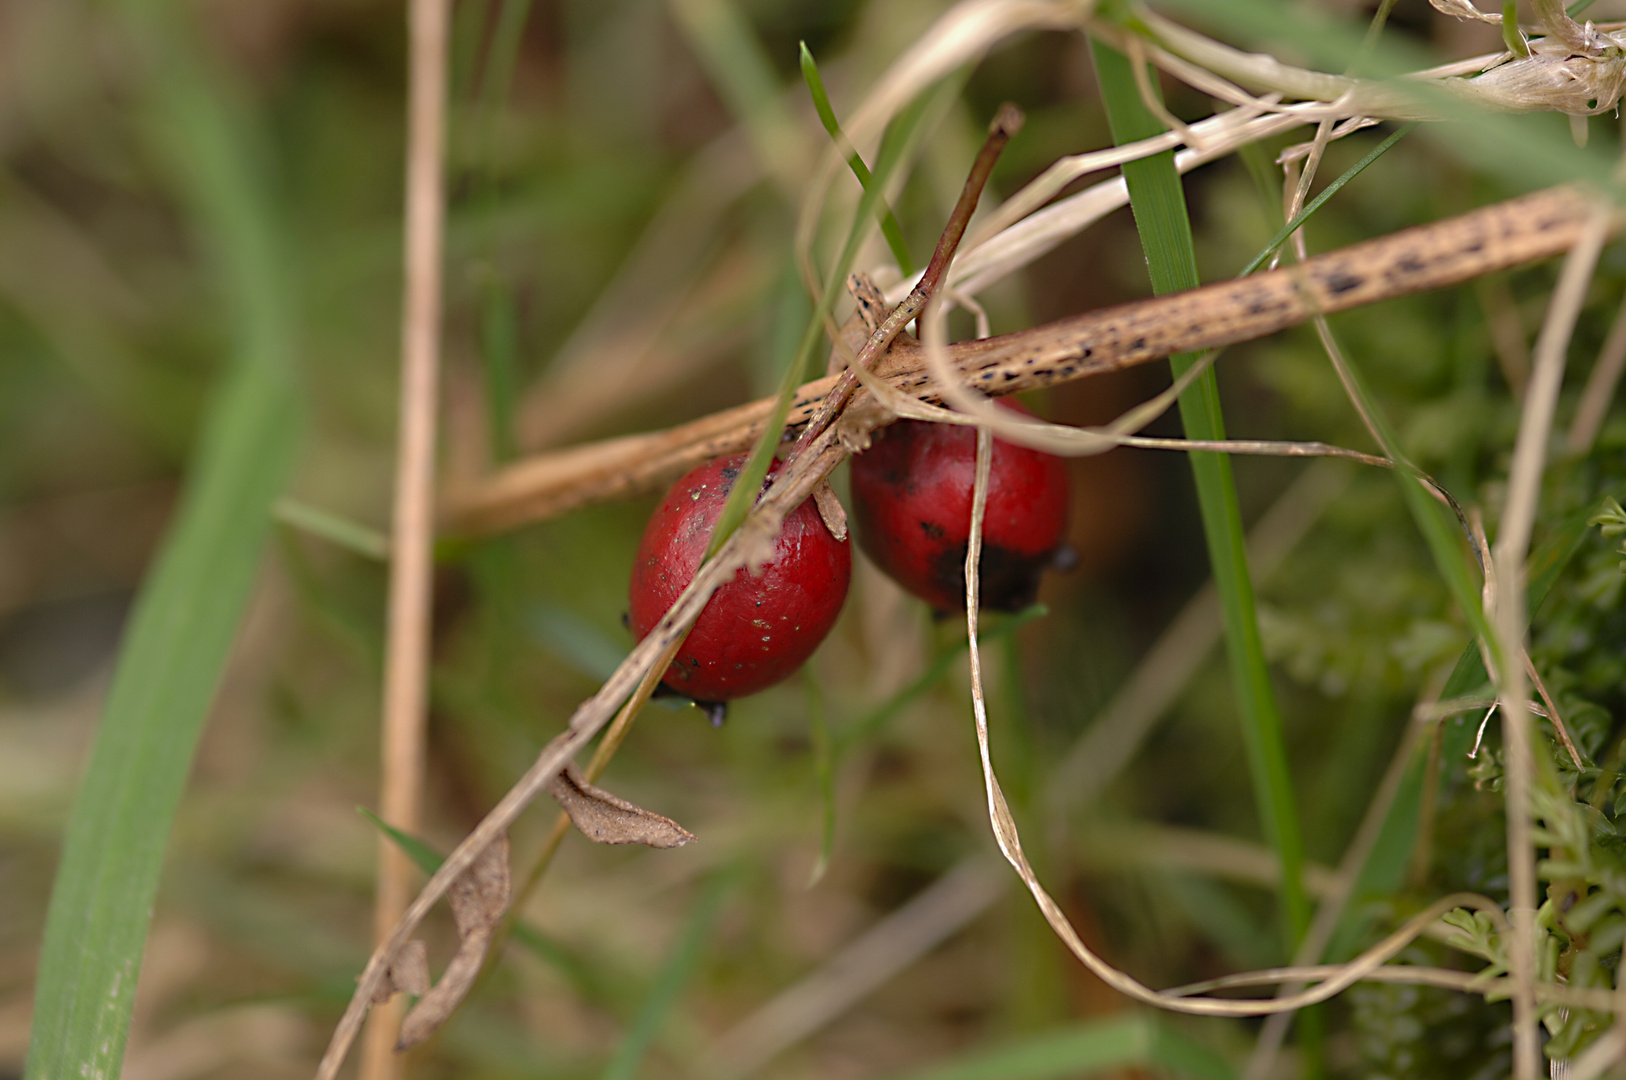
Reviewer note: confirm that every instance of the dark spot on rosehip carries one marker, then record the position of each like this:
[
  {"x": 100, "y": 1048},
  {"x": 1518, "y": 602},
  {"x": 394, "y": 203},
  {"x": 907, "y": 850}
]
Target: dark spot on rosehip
[
  {"x": 932, "y": 529},
  {"x": 1008, "y": 580}
]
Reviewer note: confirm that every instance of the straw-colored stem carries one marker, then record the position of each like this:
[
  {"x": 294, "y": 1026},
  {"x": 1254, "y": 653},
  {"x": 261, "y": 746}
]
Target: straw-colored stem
[
  {"x": 1512, "y": 545},
  {"x": 406, "y": 657}
]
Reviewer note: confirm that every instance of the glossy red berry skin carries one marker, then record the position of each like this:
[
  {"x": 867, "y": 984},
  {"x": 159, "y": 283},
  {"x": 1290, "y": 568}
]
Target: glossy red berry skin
[
  {"x": 756, "y": 631},
  {"x": 911, "y": 495}
]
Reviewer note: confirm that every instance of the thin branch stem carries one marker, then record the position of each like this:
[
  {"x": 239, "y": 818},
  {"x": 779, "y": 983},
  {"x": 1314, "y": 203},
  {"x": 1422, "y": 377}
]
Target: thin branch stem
[
  {"x": 793, "y": 484},
  {"x": 1006, "y": 123},
  {"x": 607, "y": 746}
]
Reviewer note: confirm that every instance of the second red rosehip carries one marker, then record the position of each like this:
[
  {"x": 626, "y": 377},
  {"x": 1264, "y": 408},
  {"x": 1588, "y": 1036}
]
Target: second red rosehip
[{"x": 911, "y": 495}]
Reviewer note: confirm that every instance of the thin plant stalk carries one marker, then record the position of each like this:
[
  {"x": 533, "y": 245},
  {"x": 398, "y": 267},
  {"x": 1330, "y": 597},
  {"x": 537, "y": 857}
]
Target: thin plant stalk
[
  {"x": 406, "y": 655},
  {"x": 1512, "y": 545},
  {"x": 756, "y": 466}
]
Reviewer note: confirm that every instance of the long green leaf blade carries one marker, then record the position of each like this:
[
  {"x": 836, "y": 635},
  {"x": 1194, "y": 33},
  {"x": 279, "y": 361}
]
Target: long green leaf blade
[
  {"x": 181, "y": 630},
  {"x": 827, "y": 116},
  {"x": 1160, "y": 215},
  {"x": 749, "y": 484}
]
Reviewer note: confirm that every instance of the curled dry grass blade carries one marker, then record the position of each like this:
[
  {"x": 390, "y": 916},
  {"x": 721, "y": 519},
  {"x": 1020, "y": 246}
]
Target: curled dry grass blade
[{"x": 1333, "y": 979}]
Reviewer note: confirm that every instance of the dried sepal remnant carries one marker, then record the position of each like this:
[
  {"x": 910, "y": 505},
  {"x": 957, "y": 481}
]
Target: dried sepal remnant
[
  {"x": 478, "y": 899},
  {"x": 609, "y": 819},
  {"x": 833, "y": 514}
]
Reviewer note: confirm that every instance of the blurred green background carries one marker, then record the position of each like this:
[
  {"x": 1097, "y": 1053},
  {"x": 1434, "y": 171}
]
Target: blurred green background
[{"x": 624, "y": 179}]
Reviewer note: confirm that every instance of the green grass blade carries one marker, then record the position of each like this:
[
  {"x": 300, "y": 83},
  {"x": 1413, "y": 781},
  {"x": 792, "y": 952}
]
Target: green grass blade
[
  {"x": 180, "y": 633},
  {"x": 1511, "y": 38},
  {"x": 827, "y": 116},
  {"x": 1088, "y": 1050},
  {"x": 174, "y": 652},
  {"x": 1160, "y": 214},
  {"x": 423, "y": 856},
  {"x": 669, "y": 982},
  {"x": 735, "y": 62},
  {"x": 1316, "y": 203},
  {"x": 502, "y": 55},
  {"x": 741, "y": 499},
  {"x": 824, "y": 774},
  {"x": 1440, "y": 529},
  {"x": 589, "y": 980},
  {"x": 336, "y": 530}
]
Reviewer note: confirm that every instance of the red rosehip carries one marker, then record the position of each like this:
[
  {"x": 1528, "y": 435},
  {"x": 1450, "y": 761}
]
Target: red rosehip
[
  {"x": 911, "y": 493},
  {"x": 755, "y": 631}
]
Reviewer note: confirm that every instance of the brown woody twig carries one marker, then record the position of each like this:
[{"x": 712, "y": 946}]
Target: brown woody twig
[{"x": 1433, "y": 256}]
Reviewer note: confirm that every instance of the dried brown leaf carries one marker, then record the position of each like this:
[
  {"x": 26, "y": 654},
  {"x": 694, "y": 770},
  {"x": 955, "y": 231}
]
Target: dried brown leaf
[
  {"x": 409, "y": 973},
  {"x": 609, "y": 819},
  {"x": 478, "y": 899}
]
